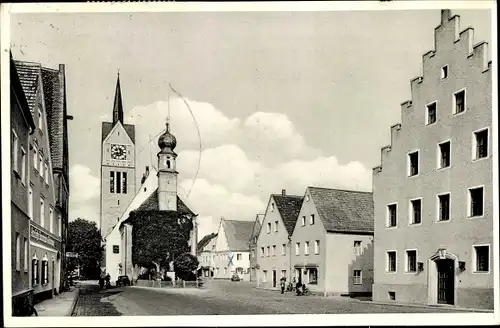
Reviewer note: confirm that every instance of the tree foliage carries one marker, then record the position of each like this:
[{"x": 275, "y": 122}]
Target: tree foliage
[
  {"x": 158, "y": 237},
  {"x": 85, "y": 239},
  {"x": 184, "y": 265}
]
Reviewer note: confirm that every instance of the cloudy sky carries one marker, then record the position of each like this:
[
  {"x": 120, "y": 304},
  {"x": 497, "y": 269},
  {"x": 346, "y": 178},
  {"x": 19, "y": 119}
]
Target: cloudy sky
[{"x": 283, "y": 100}]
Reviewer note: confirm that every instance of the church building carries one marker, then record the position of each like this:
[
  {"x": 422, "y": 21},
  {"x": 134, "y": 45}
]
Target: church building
[{"x": 120, "y": 201}]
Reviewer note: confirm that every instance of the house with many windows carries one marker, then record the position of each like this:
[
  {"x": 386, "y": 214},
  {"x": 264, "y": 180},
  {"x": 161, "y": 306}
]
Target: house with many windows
[
  {"x": 205, "y": 249},
  {"x": 433, "y": 196},
  {"x": 47, "y": 183},
  {"x": 273, "y": 243},
  {"x": 231, "y": 254},
  {"x": 22, "y": 126},
  {"x": 332, "y": 242}
]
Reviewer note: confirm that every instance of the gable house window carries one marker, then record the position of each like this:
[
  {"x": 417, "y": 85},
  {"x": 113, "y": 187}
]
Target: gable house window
[
  {"x": 15, "y": 147},
  {"x": 482, "y": 261},
  {"x": 51, "y": 220},
  {"x": 30, "y": 202},
  {"x": 274, "y": 250},
  {"x": 46, "y": 168},
  {"x": 316, "y": 247},
  {"x": 34, "y": 272},
  {"x": 23, "y": 165},
  {"x": 283, "y": 249},
  {"x": 358, "y": 277},
  {"x": 311, "y": 219},
  {"x": 444, "y": 207},
  {"x": 413, "y": 164},
  {"x": 476, "y": 201},
  {"x": 238, "y": 257},
  {"x": 357, "y": 247},
  {"x": 444, "y": 154},
  {"x": 41, "y": 165},
  {"x": 392, "y": 215},
  {"x": 275, "y": 226},
  {"x": 431, "y": 113},
  {"x": 42, "y": 212},
  {"x": 416, "y": 211},
  {"x": 269, "y": 227},
  {"x": 297, "y": 248},
  {"x": 45, "y": 271},
  {"x": 391, "y": 261},
  {"x": 303, "y": 222},
  {"x": 459, "y": 100},
  {"x": 268, "y": 251},
  {"x": 306, "y": 248},
  {"x": 35, "y": 158},
  {"x": 411, "y": 261},
  {"x": 481, "y": 144},
  {"x": 262, "y": 252},
  {"x": 444, "y": 72}
]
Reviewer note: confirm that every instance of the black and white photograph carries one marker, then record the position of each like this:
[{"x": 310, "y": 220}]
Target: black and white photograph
[{"x": 244, "y": 163}]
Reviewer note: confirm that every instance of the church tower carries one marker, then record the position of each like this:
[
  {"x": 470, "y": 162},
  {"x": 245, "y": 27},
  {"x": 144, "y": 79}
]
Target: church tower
[
  {"x": 167, "y": 175},
  {"x": 117, "y": 165}
]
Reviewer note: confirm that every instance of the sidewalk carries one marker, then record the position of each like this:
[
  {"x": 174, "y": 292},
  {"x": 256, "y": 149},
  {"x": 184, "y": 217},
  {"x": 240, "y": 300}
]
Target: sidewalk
[
  {"x": 436, "y": 306},
  {"x": 60, "y": 306}
]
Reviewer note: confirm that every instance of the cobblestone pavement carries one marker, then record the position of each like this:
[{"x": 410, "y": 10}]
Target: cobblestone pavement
[
  {"x": 93, "y": 302},
  {"x": 229, "y": 298}
]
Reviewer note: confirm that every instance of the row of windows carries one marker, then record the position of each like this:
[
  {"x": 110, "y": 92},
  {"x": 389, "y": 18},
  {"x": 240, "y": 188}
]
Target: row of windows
[
  {"x": 480, "y": 260},
  {"x": 43, "y": 204},
  {"x": 40, "y": 165},
  {"x": 475, "y": 208},
  {"x": 44, "y": 268},
  {"x": 117, "y": 182},
  {"x": 206, "y": 258},
  {"x": 303, "y": 223},
  {"x": 306, "y": 247},
  {"x": 479, "y": 151},
  {"x": 459, "y": 106}
]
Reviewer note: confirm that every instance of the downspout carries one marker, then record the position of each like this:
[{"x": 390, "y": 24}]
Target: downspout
[{"x": 290, "y": 255}]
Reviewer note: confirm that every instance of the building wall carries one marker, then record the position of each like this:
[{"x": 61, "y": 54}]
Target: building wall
[
  {"x": 341, "y": 261},
  {"x": 113, "y": 260},
  {"x": 19, "y": 196},
  {"x": 113, "y": 204},
  {"x": 468, "y": 68},
  {"x": 309, "y": 233},
  {"x": 223, "y": 270},
  {"x": 268, "y": 262}
]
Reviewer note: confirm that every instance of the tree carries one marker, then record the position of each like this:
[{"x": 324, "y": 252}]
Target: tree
[
  {"x": 85, "y": 239},
  {"x": 159, "y": 237},
  {"x": 184, "y": 265}
]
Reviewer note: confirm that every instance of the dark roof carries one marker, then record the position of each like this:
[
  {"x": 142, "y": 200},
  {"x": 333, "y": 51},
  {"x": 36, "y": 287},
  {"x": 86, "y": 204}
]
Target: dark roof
[
  {"x": 289, "y": 208},
  {"x": 205, "y": 241},
  {"x": 118, "y": 104},
  {"x": 53, "y": 88},
  {"x": 151, "y": 204},
  {"x": 344, "y": 210},
  {"x": 107, "y": 126},
  {"x": 256, "y": 227},
  {"x": 17, "y": 88},
  {"x": 237, "y": 234}
]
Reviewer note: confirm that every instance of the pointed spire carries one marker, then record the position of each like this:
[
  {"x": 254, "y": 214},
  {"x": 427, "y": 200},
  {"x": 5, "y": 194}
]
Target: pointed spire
[{"x": 118, "y": 105}]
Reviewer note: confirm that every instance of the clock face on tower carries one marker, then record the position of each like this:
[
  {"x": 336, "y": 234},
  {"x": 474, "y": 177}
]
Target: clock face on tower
[{"x": 118, "y": 152}]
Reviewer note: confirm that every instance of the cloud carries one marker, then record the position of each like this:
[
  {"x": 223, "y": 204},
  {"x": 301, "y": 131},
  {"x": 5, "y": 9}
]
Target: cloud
[{"x": 85, "y": 193}]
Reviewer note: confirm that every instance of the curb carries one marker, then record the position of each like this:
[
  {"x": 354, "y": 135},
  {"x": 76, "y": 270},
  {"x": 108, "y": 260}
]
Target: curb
[
  {"x": 73, "y": 304},
  {"x": 450, "y": 307}
]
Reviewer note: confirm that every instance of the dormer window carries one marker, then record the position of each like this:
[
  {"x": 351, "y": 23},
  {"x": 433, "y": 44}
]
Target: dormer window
[
  {"x": 444, "y": 72},
  {"x": 272, "y": 207}
]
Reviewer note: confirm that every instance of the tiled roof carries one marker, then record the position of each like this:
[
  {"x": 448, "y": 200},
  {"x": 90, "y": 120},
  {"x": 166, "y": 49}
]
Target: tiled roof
[
  {"x": 18, "y": 89},
  {"x": 289, "y": 208},
  {"x": 344, "y": 210},
  {"x": 28, "y": 76},
  {"x": 151, "y": 204},
  {"x": 237, "y": 234},
  {"x": 256, "y": 227},
  {"x": 205, "y": 241},
  {"x": 107, "y": 126}
]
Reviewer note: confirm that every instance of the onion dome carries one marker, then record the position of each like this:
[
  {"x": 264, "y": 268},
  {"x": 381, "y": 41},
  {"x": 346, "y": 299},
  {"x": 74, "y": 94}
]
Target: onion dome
[{"x": 167, "y": 140}]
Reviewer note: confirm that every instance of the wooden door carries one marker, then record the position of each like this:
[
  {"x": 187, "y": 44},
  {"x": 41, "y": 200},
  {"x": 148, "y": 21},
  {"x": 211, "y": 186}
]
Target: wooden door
[
  {"x": 274, "y": 278},
  {"x": 446, "y": 281}
]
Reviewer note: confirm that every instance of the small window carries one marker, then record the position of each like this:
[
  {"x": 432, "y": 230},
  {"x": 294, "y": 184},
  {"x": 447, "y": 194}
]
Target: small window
[
  {"x": 238, "y": 257},
  {"x": 274, "y": 250},
  {"x": 476, "y": 201},
  {"x": 269, "y": 227},
  {"x": 42, "y": 213},
  {"x": 311, "y": 219},
  {"x": 431, "y": 113},
  {"x": 413, "y": 164},
  {"x": 116, "y": 249},
  {"x": 30, "y": 202},
  {"x": 444, "y": 72},
  {"x": 40, "y": 119},
  {"x": 482, "y": 254},
  {"x": 444, "y": 207},
  {"x": 23, "y": 166},
  {"x": 264, "y": 278},
  {"x": 46, "y": 167},
  {"x": 283, "y": 249},
  {"x": 262, "y": 252},
  {"x": 392, "y": 296},
  {"x": 357, "y": 247},
  {"x": 481, "y": 144},
  {"x": 297, "y": 249},
  {"x": 275, "y": 226},
  {"x": 306, "y": 248},
  {"x": 268, "y": 251},
  {"x": 303, "y": 222},
  {"x": 459, "y": 100},
  {"x": 18, "y": 251},
  {"x": 411, "y": 261},
  {"x": 283, "y": 273},
  {"x": 391, "y": 261},
  {"x": 15, "y": 148},
  {"x": 444, "y": 154},
  {"x": 35, "y": 158},
  {"x": 41, "y": 165},
  {"x": 392, "y": 215},
  {"x": 59, "y": 225},
  {"x": 358, "y": 277},
  {"x": 272, "y": 207},
  {"x": 316, "y": 247},
  {"x": 51, "y": 220},
  {"x": 416, "y": 211}
]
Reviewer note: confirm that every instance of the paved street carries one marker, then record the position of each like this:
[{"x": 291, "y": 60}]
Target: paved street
[{"x": 221, "y": 297}]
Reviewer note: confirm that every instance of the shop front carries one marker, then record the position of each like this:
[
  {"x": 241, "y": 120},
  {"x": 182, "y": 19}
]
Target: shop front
[{"x": 45, "y": 263}]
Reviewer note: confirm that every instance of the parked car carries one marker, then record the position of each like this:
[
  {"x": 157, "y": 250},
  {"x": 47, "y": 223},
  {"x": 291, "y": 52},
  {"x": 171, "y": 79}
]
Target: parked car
[
  {"x": 235, "y": 277},
  {"x": 123, "y": 281}
]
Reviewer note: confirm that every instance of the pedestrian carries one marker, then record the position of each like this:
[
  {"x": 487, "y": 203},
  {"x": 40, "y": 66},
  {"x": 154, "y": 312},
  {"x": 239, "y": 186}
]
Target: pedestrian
[
  {"x": 282, "y": 283},
  {"x": 101, "y": 282},
  {"x": 108, "y": 278},
  {"x": 297, "y": 287}
]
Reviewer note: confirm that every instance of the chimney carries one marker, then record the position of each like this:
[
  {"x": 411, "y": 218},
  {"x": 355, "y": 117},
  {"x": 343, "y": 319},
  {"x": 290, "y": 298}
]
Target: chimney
[
  {"x": 283, "y": 192},
  {"x": 445, "y": 15}
]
